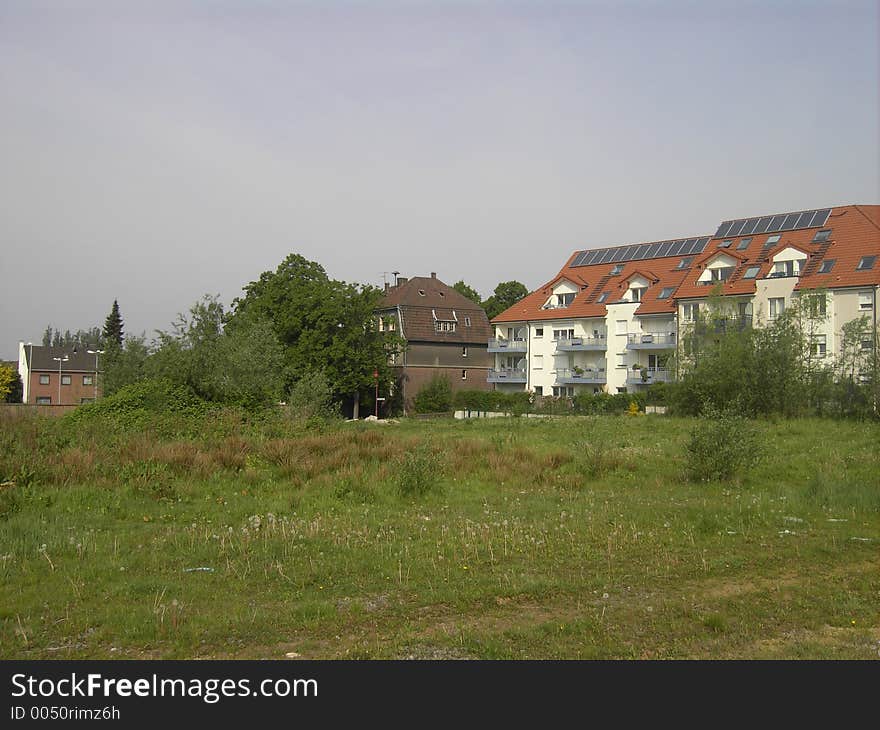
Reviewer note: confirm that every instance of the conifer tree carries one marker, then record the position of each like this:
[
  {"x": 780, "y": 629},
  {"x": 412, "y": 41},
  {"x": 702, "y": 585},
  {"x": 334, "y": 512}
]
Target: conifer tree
[{"x": 113, "y": 326}]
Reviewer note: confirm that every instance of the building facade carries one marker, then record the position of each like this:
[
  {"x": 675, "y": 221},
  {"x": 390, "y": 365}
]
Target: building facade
[
  {"x": 445, "y": 334},
  {"x": 613, "y": 318},
  {"x": 57, "y": 375}
]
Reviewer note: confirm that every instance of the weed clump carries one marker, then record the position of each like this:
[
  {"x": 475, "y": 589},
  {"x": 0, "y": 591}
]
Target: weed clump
[
  {"x": 722, "y": 446},
  {"x": 418, "y": 472}
]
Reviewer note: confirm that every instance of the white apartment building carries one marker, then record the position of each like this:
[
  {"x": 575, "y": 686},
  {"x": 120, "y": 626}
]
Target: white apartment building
[{"x": 612, "y": 317}]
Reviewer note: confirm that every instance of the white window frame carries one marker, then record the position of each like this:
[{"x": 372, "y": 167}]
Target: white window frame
[
  {"x": 777, "y": 307},
  {"x": 865, "y": 301},
  {"x": 45, "y": 379}
]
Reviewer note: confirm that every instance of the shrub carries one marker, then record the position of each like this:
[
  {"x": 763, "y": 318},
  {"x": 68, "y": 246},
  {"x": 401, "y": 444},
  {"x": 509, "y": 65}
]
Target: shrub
[
  {"x": 418, "y": 472},
  {"x": 311, "y": 398},
  {"x": 435, "y": 397},
  {"x": 722, "y": 445}
]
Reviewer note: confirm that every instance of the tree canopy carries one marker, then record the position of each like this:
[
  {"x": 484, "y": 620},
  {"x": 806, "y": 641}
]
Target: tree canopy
[
  {"x": 467, "y": 291},
  {"x": 506, "y": 294},
  {"x": 113, "y": 327}
]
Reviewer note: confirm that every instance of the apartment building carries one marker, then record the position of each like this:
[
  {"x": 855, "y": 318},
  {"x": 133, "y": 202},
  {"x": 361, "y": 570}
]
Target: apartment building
[
  {"x": 445, "y": 335},
  {"x": 612, "y": 318}
]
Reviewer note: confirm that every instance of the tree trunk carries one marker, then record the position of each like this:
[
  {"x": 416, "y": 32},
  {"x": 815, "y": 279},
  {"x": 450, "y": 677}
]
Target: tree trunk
[{"x": 355, "y": 410}]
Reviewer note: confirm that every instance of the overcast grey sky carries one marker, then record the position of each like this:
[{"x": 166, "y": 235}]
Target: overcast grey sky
[{"x": 156, "y": 151}]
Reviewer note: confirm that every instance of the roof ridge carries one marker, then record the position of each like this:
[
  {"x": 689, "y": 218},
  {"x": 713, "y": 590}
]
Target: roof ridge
[{"x": 864, "y": 215}]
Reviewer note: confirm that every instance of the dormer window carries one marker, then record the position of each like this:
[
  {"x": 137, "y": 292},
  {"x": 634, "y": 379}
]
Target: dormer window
[
  {"x": 721, "y": 274},
  {"x": 786, "y": 268},
  {"x": 637, "y": 293},
  {"x": 444, "y": 326},
  {"x": 564, "y": 300}
]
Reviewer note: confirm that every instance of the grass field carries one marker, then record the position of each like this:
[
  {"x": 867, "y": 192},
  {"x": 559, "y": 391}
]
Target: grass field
[{"x": 510, "y": 538}]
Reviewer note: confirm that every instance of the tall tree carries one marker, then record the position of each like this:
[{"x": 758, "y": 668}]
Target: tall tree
[
  {"x": 113, "y": 326},
  {"x": 467, "y": 291},
  {"x": 506, "y": 294}
]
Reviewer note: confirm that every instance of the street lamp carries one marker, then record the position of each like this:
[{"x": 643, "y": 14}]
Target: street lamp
[
  {"x": 60, "y": 360},
  {"x": 96, "y": 353},
  {"x": 30, "y": 370}
]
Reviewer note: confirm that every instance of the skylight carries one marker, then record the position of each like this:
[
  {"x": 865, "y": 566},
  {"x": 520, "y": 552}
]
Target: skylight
[
  {"x": 822, "y": 236},
  {"x": 827, "y": 265},
  {"x": 866, "y": 263},
  {"x": 617, "y": 269},
  {"x": 665, "y": 292},
  {"x": 744, "y": 244},
  {"x": 751, "y": 272},
  {"x": 725, "y": 244},
  {"x": 685, "y": 262},
  {"x": 602, "y": 297}
]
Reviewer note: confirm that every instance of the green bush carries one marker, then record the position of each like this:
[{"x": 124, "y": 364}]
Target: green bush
[
  {"x": 418, "y": 472},
  {"x": 435, "y": 397},
  {"x": 311, "y": 398},
  {"x": 722, "y": 446}
]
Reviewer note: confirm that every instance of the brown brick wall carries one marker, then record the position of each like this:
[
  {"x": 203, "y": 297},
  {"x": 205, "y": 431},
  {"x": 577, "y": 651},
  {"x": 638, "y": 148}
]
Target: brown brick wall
[
  {"x": 70, "y": 394},
  {"x": 415, "y": 378},
  {"x": 440, "y": 355}
]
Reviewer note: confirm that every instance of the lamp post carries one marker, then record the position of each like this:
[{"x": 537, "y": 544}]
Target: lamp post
[
  {"x": 30, "y": 369},
  {"x": 60, "y": 360},
  {"x": 96, "y": 353}
]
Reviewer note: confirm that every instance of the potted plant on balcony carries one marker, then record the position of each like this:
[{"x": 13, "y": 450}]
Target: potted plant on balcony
[{"x": 578, "y": 371}]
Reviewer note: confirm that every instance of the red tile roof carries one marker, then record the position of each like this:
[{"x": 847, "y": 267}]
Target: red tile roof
[{"x": 855, "y": 232}]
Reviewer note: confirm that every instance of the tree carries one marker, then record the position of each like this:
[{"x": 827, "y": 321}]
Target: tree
[
  {"x": 7, "y": 380},
  {"x": 16, "y": 391},
  {"x": 467, "y": 291},
  {"x": 506, "y": 294},
  {"x": 82, "y": 339},
  {"x": 435, "y": 396},
  {"x": 124, "y": 365},
  {"x": 113, "y": 326},
  {"x": 323, "y": 324}
]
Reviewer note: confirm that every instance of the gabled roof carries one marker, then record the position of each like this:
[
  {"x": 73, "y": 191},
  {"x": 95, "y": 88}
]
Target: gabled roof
[
  {"x": 855, "y": 232},
  {"x": 79, "y": 361},
  {"x": 423, "y": 300}
]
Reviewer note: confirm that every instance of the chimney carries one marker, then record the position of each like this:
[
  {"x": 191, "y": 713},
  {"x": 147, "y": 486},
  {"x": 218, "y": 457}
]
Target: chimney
[
  {"x": 433, "y": 274},
  {"x": 401, "y": 280},
  {"x": 387, "y": 287}
]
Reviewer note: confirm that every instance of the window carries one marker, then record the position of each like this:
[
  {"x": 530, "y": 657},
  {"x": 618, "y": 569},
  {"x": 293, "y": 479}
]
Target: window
[
  {"x": 467, "y": 321},
  {"x": 744, "y": 244},
  {"x": 822, "y": 236},
  {"x": 44, "y": 380},
  {"x": 691, "y": 312},
  {"x": 786, "y": 268},
  {"x": 564, "y": 300},
  {"x": 816, "y": 305},
  {"x": 86, "y": 400},
  {"x": 819, "y": 345},
  {"x": 88, "y": 380},
  {"x": 865, "y": 300},
  {"x": 464, "y": 351},
  {"x": 538, "y": 362},
  {"x": 621, "y": 359},
  {"x": 826, "y": 266},
  {"x": 563, "y": 391},
  {"x": 866, "y": 263},
  {"x": 44, "y": 400},
  {"x": 777, "y": 307},
  {"x": 685, "y": 262},
  {"x": 772, "y": 239},
  {"x": 65, "y": 380},
  {"x": 444, "y": 326},
  {"x": 539, "y": 390},
  {"x": 751, "y": 272},
  {"x": 616, "y": 270},
  {"x": 638, "y": 292},
  {"x": 464, "y": 374},
  {"x": 563, "y": 334},
  {"x": 725, "y": 244},
  {"x": 539, "y": 331},
  {"x": 602, "y": 297},
  {"x": 721, "y": 274},
  {"x": 666, "y": 292},
  {"x": 421, "y": 292},
  {"x": 867, "y": 345}
]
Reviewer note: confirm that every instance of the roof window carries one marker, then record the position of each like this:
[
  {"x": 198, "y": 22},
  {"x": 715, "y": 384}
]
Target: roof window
[
  {"x": 751, "y": 272},
  {"x": 602, "y": 297},
  {"x": 725, "y": 244},
  {"x": 772, "y": 239},
  {"x": 822, "y": 236},
  {"x": 665, "y": 292},
  {"x": 827, "y": 265},
  {"x": 421, "y": 292},
  {"x": 744, "y": 244},
  {"x": 685, "y": 262},
  {"x": 616, "y": 270},
  {"x": 866, "y": 263}
]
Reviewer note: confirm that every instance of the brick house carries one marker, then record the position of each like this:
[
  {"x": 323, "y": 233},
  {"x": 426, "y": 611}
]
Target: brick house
[
  {"x": 446, "y": 334},
  {"x": 58, "y": 375}
]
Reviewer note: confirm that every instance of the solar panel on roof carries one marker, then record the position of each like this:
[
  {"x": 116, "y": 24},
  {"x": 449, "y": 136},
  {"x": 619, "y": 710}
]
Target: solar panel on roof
[
  {"x": 701, "y": 244},
  {"x": 688, "y": 247},
  {"x": 804, "y": 219},
  {"x": 763, "y": 224},
  {"x": 749, "y": 226},
  {"x": 820, "y": 217},
  {"x": 776, "y": 223},
  {"x": 664, "y": 248},
  {"x": 735, "y": 228},
  {"x": 789, "y": 222},
  {"x": 723, "y": 229},
  {"x": 604, "y": 256},
  {"x": 641, "y": 251},
  {"x": 619, "y": 255},
  {"x": 652, "y": 250}
]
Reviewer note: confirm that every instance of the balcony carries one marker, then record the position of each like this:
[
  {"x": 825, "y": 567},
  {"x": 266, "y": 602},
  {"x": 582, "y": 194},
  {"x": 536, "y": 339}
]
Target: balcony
[
  {"x": 647, "y": 376},
  {"x": 566, "y": 376},
  {"x": 721, "y": 325},
  {"x": 650, "y": 341},
  {"x": 581, "y": 344},
  {"x": 497, "y": 344},
  {"x": 506, "y": 376}
]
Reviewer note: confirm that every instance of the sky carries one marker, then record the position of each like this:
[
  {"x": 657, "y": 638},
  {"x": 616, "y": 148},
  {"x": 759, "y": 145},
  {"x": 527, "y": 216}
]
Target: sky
[{"x": 153, "y": 152}]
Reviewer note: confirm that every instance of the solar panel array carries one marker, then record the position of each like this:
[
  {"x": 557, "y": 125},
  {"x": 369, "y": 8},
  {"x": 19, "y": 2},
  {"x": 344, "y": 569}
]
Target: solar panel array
[
  {"x": 640, "y": 251},
  {"x": 768, "y": 223}
]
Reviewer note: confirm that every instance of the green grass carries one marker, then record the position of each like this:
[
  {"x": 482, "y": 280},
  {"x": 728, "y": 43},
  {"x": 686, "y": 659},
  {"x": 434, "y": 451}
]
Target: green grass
[{"x": 530, "y": 538}]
